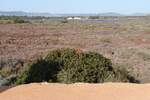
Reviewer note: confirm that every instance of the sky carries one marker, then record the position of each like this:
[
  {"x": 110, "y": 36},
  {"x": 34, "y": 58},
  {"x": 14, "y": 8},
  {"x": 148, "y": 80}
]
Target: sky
[{"x": 77, "y": 6}]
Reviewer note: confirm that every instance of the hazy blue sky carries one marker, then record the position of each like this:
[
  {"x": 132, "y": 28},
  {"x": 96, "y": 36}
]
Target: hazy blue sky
[{"x": 76, "y": 6}]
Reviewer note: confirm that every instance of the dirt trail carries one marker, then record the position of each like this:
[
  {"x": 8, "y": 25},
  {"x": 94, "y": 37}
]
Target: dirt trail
[{"x": 107, "y": 91}]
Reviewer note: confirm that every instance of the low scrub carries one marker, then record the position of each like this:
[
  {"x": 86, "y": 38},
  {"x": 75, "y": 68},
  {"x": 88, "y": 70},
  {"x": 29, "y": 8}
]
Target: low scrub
[
  {"x": 19, "y": 20},
  {"x": 70, "y": 66}
]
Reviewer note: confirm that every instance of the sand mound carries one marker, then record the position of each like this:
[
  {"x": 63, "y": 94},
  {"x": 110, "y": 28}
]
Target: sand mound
[{"x": 107, "y": 91}]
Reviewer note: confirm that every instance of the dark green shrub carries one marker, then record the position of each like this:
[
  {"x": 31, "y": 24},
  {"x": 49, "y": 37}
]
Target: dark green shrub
[
  {"x": 18, "y": 20},
  {"x": 37, "y": 72},
  {"x": 64, "y": 21},
  {"x": 86, "y": 67},
  {"x": 70, "y": 66},
  {"x": 94, "y": 17}
]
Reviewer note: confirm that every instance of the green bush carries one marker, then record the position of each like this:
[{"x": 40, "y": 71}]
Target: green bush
[
  {"x": 6, "y": 71},
  {"x": 70, "y": 66},
  {"x": 94, "y": 17},
  {"x": 37, "y": 72},
  {"x": 18, "y": 20},
  {"x": 64, "y": 21}
]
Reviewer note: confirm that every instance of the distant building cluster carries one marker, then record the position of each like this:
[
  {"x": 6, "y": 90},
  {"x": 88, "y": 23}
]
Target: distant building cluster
[{"x": 74, "y": 18}]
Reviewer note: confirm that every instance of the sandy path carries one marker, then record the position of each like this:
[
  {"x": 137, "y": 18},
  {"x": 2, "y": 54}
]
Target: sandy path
[{"x": 107, "y": 91}]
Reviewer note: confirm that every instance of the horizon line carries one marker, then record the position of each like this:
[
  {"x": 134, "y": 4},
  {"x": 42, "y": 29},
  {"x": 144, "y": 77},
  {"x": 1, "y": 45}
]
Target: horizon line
[{"x": 79, "y": 13}]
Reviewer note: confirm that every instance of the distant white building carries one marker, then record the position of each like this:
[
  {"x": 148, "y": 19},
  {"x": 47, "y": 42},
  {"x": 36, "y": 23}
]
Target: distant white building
[
  {"x": 77, "y": 18},
  {"x": 73, "y": 18},
  {"x": 69, "y": 18}
]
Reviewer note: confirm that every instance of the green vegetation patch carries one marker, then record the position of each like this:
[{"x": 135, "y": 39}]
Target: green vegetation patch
[{"x": 70, "y": 66}]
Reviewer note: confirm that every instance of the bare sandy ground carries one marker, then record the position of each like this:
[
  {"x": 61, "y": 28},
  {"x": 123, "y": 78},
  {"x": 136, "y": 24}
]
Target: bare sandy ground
[{"x": 107, "y": 91}]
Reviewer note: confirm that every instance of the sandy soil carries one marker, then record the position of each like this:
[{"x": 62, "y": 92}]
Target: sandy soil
[{"x": 107, "y": 91}]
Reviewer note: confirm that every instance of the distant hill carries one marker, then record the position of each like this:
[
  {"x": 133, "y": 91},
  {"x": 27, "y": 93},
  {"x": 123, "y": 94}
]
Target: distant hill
[
  {"x": 99, "y": 14},
  {"x": 110, "y": 14},
  {"x": 139, "y": 14},
  {"x": 21, "y": 13}
]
